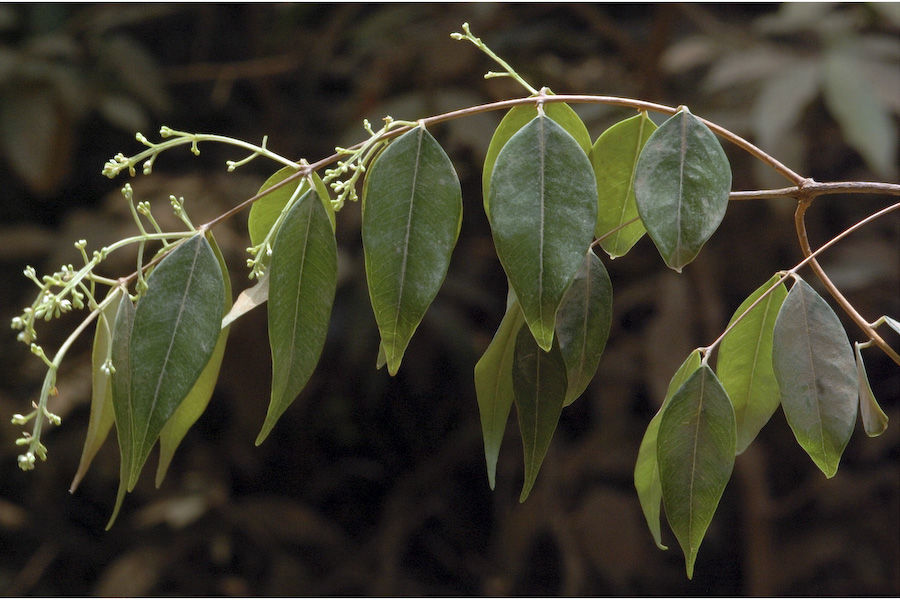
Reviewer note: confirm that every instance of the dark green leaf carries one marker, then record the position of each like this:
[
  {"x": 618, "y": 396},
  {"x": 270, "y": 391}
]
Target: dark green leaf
[
  {"x": 176, "y": 328},
  {"x": 516, "y": 119},
  {"x": 695, "y": 450},
  {"x": 816, "y": 375},
  {"x": 543, "y": 210},
  {"x": 646, "y": 469},
  {"x": 614, "y": 157},
  {"x": 874, "y": 420},
  {"x": 745, "y": 363},
  {"x": 539, "y": 384},
  {"x": 583, "y": 322},
  {"x": 412, "y": 211},
  {"x": 121, "y": 394},
  {"x": 682, "y": 182},
  {"x": 198, "y": 398},
  {"x": 494, "y": 384},
  {"x": 302, "y": 283},
  {"x": 102, "y": 412}
]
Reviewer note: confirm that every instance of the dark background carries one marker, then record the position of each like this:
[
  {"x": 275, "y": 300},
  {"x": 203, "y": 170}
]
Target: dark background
[{"x": 372, "y": 485}]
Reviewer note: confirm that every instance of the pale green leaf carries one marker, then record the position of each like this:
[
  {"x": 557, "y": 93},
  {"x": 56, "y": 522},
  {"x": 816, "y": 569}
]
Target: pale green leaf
[
  {"x": 695, "y": 450},
  {"x": 874, "y": 420},
  {"x": 543, "y": 202},
  {"x": 121, "y": 394},
  {"x": 266, "y": 210},
  {"x": 247, "y": 300}
]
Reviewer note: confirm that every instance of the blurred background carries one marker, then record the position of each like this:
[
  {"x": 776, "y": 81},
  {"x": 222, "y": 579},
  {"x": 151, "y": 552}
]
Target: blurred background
[{"x": 372, "y": 485}]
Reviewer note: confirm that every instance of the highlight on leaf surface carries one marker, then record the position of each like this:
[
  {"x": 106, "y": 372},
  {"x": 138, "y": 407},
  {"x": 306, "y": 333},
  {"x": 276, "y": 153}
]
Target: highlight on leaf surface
[{"x": 874, "y": 420}]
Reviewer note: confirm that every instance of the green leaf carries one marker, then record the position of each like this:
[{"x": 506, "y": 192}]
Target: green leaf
[
  {"x": 614, "y": 157},
  {"x": 681, "y": 186},
  {"x": 412, "y": 212},
  {"x": 516, "y": 119},
  {"x": 646, "y": 469},
  {"x": 302, "y": 284},
  {"x": 121, "y": 395},
  {"x": 745, "y": 363},
  {"x": 247, "y": 300},
  {"x": 102, "y": 412},
  {"x": 265, "y": 211},
  {"x": 543, "y": 210},
  {"x": 874, "y": 420},
  {"x": 695, "y": 450},
  {"x": 539, "y": 384},
  {"x": 176, "y": 328},
  {"x": 494, "y": 384},
  {"x": 583, "y": 323},
  {"x": 195, "y": 403},
  {"x": 816, "y": 375}
]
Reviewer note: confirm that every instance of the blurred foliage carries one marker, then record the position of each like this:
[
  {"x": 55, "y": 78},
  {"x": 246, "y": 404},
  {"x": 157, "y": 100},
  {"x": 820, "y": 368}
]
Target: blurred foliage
[{"x": 373, "y": 485}]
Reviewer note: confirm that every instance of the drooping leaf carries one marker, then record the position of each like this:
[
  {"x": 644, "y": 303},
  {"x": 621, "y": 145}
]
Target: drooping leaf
[
  {"x": 516, "y": 119},
  {"x": 583, "y": 323},
  {"x": 265, "y": 211},
  {"x": 874, "y": 420},
  {"x": 864, "y": 120},
  {"x": 543, "y": 202},
  {"x": 816, "y": 376},
  {"x": 198, "y": 398},
  {"x": 539, "y": 384},
  {"x": 682, "y": 182},
  {"x": 745, "y": 363},
  {"x": 494, "y": 384},
  {"x": 646, "y": 469},
  {"x": 614, "y": 157},
  {"x": 176, "y": 327},
  {"x": 695, "y": 449},
  {"x": 121, "y": 394},
  {"x": 102, "y": 412},
  {"x": 412, "y": 212},
  {"x": 302, "y": 284},
  {"x": 247, "y": 300},
  {"x": 381, "y": 359},
  {"x": 893, "y": 324}
]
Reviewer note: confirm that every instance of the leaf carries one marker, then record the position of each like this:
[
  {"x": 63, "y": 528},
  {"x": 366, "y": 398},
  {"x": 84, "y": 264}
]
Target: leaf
[
  {"x": 539, "y": 383},
  {"x": 176, "y": 327},
  {"x": 195, "y": 403},
  {"x": 782, "y": 99},
  {"x": 892, "y": 323},
  {"x": 646, "y": 469},
  {"x": 695, "y": 450},
  {"x": 874, "y": 420},
  {"x": 494, "y": 384},
  {"x": 583, "y": 323},
  {"x": 121, "y": 395},
  {"x": 247, "y": 300},
  {"x": 614, "y": 157},
  {"x": 745, "y": 363},
  {"x": 864, "y": 120},
  {"x": 682, "y": 182},
  {"x": 102, "y": 412},
  {"x": 543, "y": 203},
  {"x": 265, "y": 211},
  {"x": 516, "y": 119},
  {"x": 412, "y": 212},
  {"x": 816, "y": 375},
  {"x": 302, "y": 284}
]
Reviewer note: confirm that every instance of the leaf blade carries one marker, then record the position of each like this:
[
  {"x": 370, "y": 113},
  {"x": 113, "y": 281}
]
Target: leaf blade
[{"x": 874, "y": 420}]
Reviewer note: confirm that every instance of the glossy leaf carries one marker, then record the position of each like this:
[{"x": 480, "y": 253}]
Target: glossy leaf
[
  {"x": 517, "y": 118},
  {"x": 539, "y": 384},
  {"x": 412, "y": 211},
  {"x": 247, "y": 300},
  {"x": 195, "y": 403},
  {"x": 121, "y": 394},
  {"x": 745, "y": 363},
  {"x": 102, "y": 412},
  {"x": 682, "y": 182},
  {"x": 265, "y": 211},
  {"x": 543, "y": 210},
  {"x": 583, "y": 323},
  {"x": 302, "y": 284},
  {"x": 494, "y": 384},
  {"x": 816, "y": 375},
  {"x": 646, "y": 469},
  {"x": 176, "y": 327},
  {"x": 695, "y": 450},
  {"x": 874, "y": 420},
  {"x": 614, "y": 157}
]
